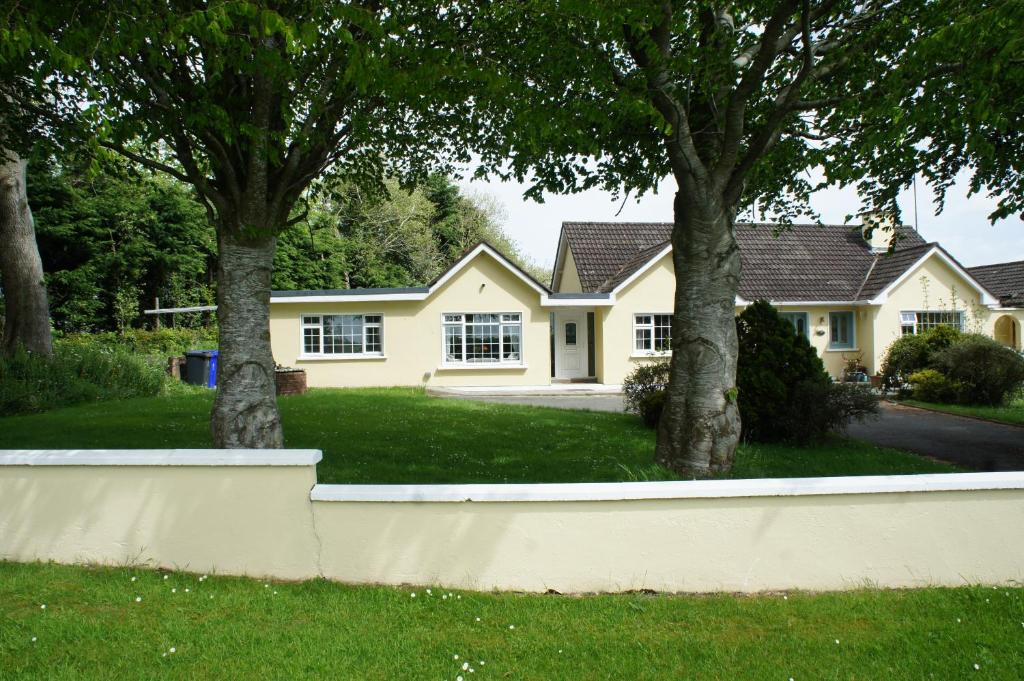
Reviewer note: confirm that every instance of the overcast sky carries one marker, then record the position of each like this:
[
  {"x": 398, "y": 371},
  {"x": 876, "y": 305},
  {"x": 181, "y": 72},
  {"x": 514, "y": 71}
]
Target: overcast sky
[{"x": 962, "y": 228}]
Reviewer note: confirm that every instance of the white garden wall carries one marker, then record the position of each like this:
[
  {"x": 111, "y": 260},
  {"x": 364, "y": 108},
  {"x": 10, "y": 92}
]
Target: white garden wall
[{"x": 260, "y": 513}]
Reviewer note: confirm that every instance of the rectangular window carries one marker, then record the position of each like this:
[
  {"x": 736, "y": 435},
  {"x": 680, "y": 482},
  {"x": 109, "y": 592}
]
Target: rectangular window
[
  {"x": 652, "y": 333},
  {"x": 342, "y": 335},
  {"x": 841, "y": 330},
  {"x": 919, "y": 322},
  {"x": 799, "y": 322},
  {"x": 490, "y": 338}
]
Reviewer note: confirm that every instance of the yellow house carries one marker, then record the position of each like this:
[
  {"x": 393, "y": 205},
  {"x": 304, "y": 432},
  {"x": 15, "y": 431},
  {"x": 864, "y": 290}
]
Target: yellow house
[{"x": 485, "y": 322}]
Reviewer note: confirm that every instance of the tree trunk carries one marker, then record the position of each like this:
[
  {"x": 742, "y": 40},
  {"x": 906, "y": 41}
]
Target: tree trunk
[
  {"x": 245, "y": 411},
  {"x": 27, "y": 312},
  {"x": 700, "y": 421}
]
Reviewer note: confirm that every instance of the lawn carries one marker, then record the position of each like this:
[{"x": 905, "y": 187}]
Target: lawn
[
  {"x": 1012, "y": 413},
  {"x": 403, "y": 436},
  {"x": 95, "y": 626}
]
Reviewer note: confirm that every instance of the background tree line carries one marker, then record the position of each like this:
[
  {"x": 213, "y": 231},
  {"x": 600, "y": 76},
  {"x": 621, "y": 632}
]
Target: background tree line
[{"x": 114, "y": 237}]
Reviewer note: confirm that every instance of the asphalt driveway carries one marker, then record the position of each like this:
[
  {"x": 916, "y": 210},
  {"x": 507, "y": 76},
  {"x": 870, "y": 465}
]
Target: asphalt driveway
[{"x": 971, "y": 443}]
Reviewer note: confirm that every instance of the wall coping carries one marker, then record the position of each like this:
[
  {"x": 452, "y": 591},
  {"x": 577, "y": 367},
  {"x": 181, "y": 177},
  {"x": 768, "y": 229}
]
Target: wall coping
[
  {"x": 159, "y": 457},
  {"x": 686, "y": 489}
]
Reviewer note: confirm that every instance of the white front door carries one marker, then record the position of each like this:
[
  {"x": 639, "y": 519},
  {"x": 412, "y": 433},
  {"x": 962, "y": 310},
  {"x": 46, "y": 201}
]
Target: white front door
[{"x": 571, "y": 345}]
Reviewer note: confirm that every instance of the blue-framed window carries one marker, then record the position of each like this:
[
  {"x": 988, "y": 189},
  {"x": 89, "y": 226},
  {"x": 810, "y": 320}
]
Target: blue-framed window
[
  {"x": 799, "y": 322},
  {"x": 842, "y": 331}
]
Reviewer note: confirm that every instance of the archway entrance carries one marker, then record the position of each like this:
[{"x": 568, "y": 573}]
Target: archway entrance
[{"x": 1007, "y": 332}]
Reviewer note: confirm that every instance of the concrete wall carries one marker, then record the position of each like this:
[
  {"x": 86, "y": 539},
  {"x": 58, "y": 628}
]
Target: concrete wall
[
  {"x": 412, "y": 334},
  {"x": 259, "y": 513},
  {"x": 233, "y": 512}
]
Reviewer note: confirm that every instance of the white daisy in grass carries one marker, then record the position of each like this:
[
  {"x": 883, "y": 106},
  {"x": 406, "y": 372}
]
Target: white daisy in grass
[
  {"x": 429, "y": 592},
  {"x": 186, "y": 591},
  {"x": 43, "y": 606},
  {"x": 465, "y": 666},
  {"x": 444, "y": 597},
  {"x": 837, "y": 641},
  {"x": 34, "y": 639},
  {"x": 172, "y": 650},
  {"x": 412, "y": 595},
  {"x": 134, "y": 578},
  {"x": 977, "y": 666},
  {"x": 138, "y": 599},
  {"x": 166, "y": 576},
  {"x": 478, "y": 619},
  {"x": 511, "y": 626},
  {"x": 174, "y": 591},
  {"x": 459, "y": 678},
  {"x": 455, "y": 657}
]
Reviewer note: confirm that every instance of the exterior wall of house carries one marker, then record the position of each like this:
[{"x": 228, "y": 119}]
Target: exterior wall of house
[
  {"x": 932, "y": 286},
  {"x": 818, "y": 327},
  {"x": 412, "y": 335},
  {"x": 570, "y": 280},
  {"x": 651, "y": 293}
]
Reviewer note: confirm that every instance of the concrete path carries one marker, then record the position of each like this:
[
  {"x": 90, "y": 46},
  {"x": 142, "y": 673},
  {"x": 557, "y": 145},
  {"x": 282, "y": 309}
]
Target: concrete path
[{"x": 973, "y": 444}]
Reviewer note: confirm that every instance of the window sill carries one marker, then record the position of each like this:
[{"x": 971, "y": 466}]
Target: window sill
[
  {"x": 649, "y": 355},
  {"x": 339, "y": 358},
  {"x": 831, "y": 349},
  {"x": 481, "y": 367}
]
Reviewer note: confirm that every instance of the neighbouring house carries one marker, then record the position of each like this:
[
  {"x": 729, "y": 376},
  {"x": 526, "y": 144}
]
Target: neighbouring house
[{"x": 485, "y": 322}]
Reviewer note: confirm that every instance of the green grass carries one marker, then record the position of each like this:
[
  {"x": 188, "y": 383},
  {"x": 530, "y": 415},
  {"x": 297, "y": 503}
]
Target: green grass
[
  {"x": 403, "y": 436},
  {"x": 93, "y": 628},
  {"x": 1012, "y": 413}
]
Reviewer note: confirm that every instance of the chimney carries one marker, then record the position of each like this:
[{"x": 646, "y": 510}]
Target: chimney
[{"x": 879, "y": 230}]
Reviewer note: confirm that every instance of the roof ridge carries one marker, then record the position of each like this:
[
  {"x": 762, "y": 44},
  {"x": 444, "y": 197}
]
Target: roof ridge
[
  {"x": 997, "y": 264},
  {"x": 874, "y": 261}
]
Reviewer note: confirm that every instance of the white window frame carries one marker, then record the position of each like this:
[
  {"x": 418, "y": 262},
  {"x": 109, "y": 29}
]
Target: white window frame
[
  {"x": 446, "y": 321},
  {"x": 650, "y": 352},
  {"x": 853, "y": 331},
  {"x": 319, "y": 324},
  {"x": 910, "y": 321},
  {"x": 789, "y": 317}
]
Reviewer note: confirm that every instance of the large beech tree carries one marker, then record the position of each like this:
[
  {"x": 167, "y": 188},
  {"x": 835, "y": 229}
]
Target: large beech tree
[
  {"x": 249, "y": 102},
  {"x": 734, "y": 101}
]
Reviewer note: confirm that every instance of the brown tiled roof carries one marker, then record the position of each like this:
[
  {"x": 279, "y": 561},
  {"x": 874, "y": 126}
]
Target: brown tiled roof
[
  {"x": 1005, "y": 280},
  {"x": 802, "y": 263},
  {"x": 888, "y": 268}
]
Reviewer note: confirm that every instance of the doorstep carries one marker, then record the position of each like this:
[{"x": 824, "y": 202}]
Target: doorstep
[{"x": 578, "y": 389}]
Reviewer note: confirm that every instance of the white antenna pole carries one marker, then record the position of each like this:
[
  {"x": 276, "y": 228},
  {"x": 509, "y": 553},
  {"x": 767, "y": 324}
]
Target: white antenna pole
[{"x": 915, "y": 204}]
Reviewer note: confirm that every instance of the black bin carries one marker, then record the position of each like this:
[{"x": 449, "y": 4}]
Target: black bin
[{"x": 201, "y": 367}]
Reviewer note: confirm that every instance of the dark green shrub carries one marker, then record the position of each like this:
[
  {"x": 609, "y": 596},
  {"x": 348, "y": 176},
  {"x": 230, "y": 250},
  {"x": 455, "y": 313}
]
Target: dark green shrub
[
  {"x": 75, "y": 374},
  {"x": 779, "y": 375},
  {"x": 845, "y": 402},
  {"x": 930, "y": 385},
  {"x": 827, "y": 407},
  {"x": 912, "y": 353},
  {"x": 650, "y": 407},
  {"x": 984, "y": 371},
  {"x": 644, "y": 381}
]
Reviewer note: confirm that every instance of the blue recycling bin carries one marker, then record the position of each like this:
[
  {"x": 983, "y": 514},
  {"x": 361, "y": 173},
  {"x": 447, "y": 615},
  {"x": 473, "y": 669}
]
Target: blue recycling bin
[{"x": 201, "y": 367}]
